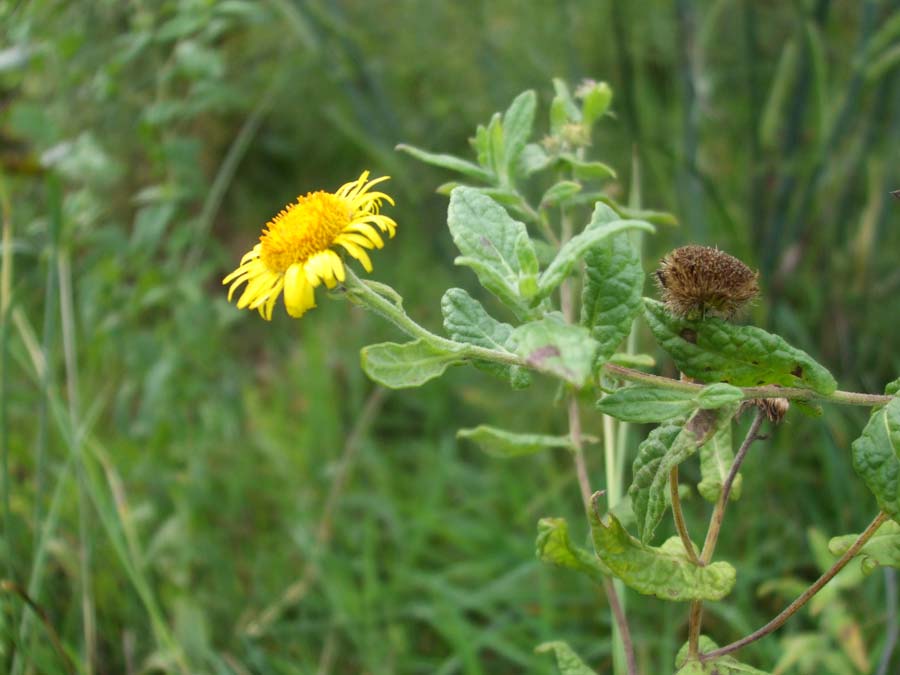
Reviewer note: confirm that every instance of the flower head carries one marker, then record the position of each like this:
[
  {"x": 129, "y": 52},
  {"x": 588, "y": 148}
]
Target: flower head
[
  {"x": 298, "y": 250},
  {"x": 696, "y": 281}
]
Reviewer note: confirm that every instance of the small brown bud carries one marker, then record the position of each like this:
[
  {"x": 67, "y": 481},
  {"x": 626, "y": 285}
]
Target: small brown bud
[
  {"x": 774, "y": 408},
  {"x": 699, "y": 281}
]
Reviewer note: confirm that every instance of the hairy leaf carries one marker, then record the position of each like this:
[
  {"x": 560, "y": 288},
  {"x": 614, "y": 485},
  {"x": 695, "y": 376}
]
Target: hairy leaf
[
  {"x": 724, "y": 665},
  {"x": 876, "y": 457},
  {"x": 714, "y": 350},
  {"x": 517, "y": 124},
  {"x": 449, "y": 162},
  {"x": 411, "y": 364},
  {"x": 467, "y": 321},
  {"x": 666, "y": 447},
  {"x": 501, "y": 443},
  {"x": 554, "y": 347},
  {"x": 647, "y": 403},
  {"x": 568, "y": 662},
  {"x": 575, "y": 249},
  {"x": 553, "y": 546},
  {"x": 716, "y": 458},
  {"x": 665, "y": 572},
  {"x": 613, "y": 285},
  {"x": 882, "y": 549},
  {"x": 488, "y": 239}
]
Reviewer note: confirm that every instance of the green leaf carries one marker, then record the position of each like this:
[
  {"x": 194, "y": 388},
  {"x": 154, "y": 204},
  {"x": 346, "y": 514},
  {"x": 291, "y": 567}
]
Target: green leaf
[
  {"x": 665, "y": 572},
  {"x": 632, "y": 360},
  {"x": 882, "y": 549},
  {"x": 613, "y": 286},
  {"x": 556, "y": 348},
  {"x": 568, "y": 662},
  {"x": 584, "y": 170},
  {"x": 517, "y": 125},
  {"x": 488, "y": 239},
  {"x": 573, "y": 112},
  {"x": 575, "y": 249},
  {"x": 892, "y": 387},
  {"x": 449, "y": 162},
  {"x": 717, "y": 395},
  {"x": 646, "y": 403},
  {"x": 652, "y": 217},
  {"x": 560, "y": 193},
  {"x": 533, "y": 159},
  {"x": 411, "y": 364},
  {"x": 716, "y": 458},
  {"x": 666, "y": 447},
  {"x": 466, "y": 321},
  {"x": 596, "y": 102},
  {"x": 876, "y": 457},
  {"x": 501, "y": 443},
  {"x": 724, "y": 665},
  {"x": 554, "y": 547},
  {"x": 714, "y": 350}
]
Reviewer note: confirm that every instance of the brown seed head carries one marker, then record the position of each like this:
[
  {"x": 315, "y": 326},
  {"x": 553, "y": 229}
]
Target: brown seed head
[
  {"x": 698, "y": 281},
  {"x": 774, "y": 408}
]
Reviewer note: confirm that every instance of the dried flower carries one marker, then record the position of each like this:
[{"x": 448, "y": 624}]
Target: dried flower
[{"x": 699, "y": 281}]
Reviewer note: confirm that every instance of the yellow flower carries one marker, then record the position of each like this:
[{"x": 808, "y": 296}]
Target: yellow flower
[{"x": 296, "y": 250}]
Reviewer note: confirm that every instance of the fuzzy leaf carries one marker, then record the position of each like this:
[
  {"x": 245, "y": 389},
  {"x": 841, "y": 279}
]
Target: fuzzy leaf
[
  {"x": 717, "y": 395},
  {"x": 892, "y": 387},
  {"x": 575, "y": 249},
  {"x": 449, "y": 162},
  {"x": 715, "y": 350},
  {"x": 517, "y": 124},
  {"x": 665, "y": 447},
  {"x": 501, "y": 443},
  {"x": 613, "y": 285},
  {"x": 555, "y": 547},
  {"x": 411, "y": 364},
  {"x": 488, "y": 238},
  {"x": 646, "y": 403},
  {"x": 665, "y": 572},
  {"x": 568, "y": 662},
  {"x": 585, "y": 170},
  {"x": 560, "y": 192},
  {"x": 556, "y": 348},
  {"x": 724, "y": 665},
  {"x": 882, "y": 549},
  {"x": 716, "y": 457},
  {"x": 876, "y": 457},
  {"x": 467, "y": 321}
]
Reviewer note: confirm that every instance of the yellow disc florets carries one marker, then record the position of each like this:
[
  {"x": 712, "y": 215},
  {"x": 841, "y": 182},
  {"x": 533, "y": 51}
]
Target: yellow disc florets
[{"x": 298, "y": 250}]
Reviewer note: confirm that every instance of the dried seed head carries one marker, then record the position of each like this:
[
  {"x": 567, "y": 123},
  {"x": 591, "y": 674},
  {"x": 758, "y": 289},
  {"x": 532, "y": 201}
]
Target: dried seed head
[
  {"x": 698, "y": 281},
  {"x": 774, "y": 408}
]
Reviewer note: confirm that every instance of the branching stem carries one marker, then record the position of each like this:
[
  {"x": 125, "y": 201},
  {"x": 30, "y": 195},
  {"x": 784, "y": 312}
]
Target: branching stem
[
  {"x": 792, "y": 609},
  {"x": 767, "y": 391}
]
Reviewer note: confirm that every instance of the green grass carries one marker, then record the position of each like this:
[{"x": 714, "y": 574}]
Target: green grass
[{"x": 168, "y": 460}]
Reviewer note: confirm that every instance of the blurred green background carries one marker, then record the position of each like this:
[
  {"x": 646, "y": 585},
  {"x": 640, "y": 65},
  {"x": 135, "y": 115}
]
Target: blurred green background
[{"x": 188, "y": 488}]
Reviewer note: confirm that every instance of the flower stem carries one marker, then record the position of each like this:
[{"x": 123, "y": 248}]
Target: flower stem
[
  {"x": 360, "y": 293},
  {"x": 792, "y": 609},
  {"x": 767, "y": 391}
]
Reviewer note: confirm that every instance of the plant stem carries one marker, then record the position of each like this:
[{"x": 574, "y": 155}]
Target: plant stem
[
  {"x": 792, "y": 609},
  {"x": 715, "y": 523},
  {"x": 767, "y": 391},
  {"x": 680, "y": 524},
  {"x": 695, "y": 620},
  {"x": 362, "y": 294},
  {"x": 612, "y": 595}
]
